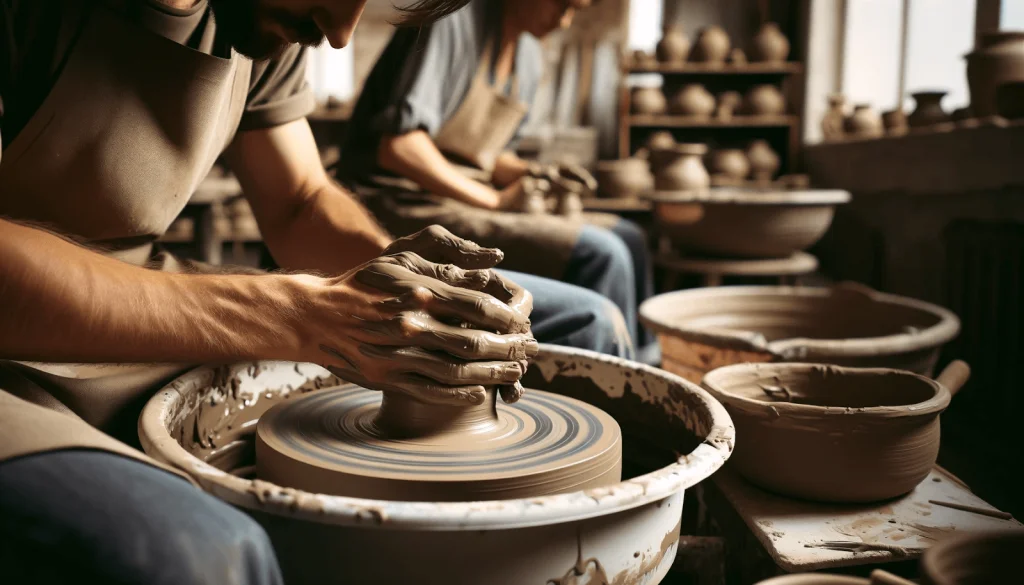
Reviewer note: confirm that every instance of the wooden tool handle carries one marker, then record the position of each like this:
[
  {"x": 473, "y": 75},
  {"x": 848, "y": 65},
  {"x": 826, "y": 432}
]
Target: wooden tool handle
[
  {"x": 880, "y": 577},
  {"x": 954, "y": 376}
]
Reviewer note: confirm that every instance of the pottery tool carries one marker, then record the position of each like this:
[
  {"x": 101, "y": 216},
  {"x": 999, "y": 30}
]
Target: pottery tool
[
  {"x": 356, "y": 442},
  {"x": 975, "y": 509}
]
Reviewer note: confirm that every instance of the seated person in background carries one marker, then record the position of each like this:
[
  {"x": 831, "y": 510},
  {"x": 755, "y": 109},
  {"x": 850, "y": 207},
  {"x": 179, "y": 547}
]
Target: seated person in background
[{"x": 457, "y": 92}]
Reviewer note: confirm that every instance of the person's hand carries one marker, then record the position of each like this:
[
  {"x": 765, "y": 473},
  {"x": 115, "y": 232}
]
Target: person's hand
[
  {"x": 428, "y": 318},
  {"x": 564, "y": 171}
]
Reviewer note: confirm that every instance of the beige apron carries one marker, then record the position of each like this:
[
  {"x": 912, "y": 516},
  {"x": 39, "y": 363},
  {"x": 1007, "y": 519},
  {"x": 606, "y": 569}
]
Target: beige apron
[
  {"x": 132, "y": 125},
  {"x": 481, "y": 128}
]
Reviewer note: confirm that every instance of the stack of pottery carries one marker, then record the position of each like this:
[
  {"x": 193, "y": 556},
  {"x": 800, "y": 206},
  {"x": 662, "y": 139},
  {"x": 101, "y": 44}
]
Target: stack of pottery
[
  {"x": 693, "y": 101},
  {"x": 729, "y": 166},
  {"x": 928, "y": 110},
  {"x": 764, "y": 100},
  {"x": 769, "y": 45},
  {"x": 648, "y": 100},
  {"x": 623, "y": 179},
  {"x": 674, "y": 46},
  {"x": 998, "y": 59},
  {"x": 712, "y": 46},
  {"x": 864, "y": 122}
]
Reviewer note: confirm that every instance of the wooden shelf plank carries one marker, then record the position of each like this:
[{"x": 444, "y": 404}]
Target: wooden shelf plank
[
  {"x": 787, "y": 68},
  {"x": 670, "y": 121}
]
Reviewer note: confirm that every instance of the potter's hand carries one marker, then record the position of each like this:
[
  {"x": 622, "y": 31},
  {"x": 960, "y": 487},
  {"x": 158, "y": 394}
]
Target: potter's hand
[{"x": 564, "y": 171}]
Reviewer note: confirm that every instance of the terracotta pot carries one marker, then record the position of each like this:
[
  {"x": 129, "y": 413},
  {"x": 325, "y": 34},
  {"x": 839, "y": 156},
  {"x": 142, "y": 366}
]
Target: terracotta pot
[
  {"x": 703, "y": 329},
  {"x": 974, "y": 558},
  {"x": 728, "y": 102},
  {"x": 895, "y": 122},
  {"x": 625, "y": 178},
  {"x": 765, "y": 100},
  {"x": 1010, "y": 100},
  {"x": 693, "y": 100},
  {"x": 730, "y": 163},
  {"x": 882, "y": 427},
  {"x": 648, "y": 100},
  {"x": 743, "y": 223},
  {"x": 683, "y": 171},
  {"x": 832, "y": 123},
  {"x": 712, "y": 46},
  {"x": 769, "y": 45},
  {"x": 673, "y": 46},
  {"x": 320, "y": 538},
  {"x": 998, "y": 59},
  {"x": 659, "y": 140},
  {"x": 764, "y": 162},
  {"x": 928, "y": 109},
  {"x": 864, "y": 122}
]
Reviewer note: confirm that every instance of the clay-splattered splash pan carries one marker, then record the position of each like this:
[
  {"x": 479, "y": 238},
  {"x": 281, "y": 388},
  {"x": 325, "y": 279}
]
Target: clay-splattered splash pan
[
  {"x": 846, "y": 325},
  {"x": 674, "y": 435}
]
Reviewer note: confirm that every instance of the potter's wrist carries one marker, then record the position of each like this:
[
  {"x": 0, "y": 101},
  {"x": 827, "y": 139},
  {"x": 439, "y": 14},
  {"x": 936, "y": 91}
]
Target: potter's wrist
[{"x": 293, "y": 300}]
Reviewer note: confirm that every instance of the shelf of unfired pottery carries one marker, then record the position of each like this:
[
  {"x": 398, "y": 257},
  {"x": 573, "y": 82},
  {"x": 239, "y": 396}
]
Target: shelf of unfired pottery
[
  {"x": 788, "y": 68},
  {"x": 669, "y": 121}
]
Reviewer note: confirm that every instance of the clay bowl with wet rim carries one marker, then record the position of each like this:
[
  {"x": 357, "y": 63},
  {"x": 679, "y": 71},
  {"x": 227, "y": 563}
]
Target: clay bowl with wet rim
[
  {"x": 831, "y": 434},
  {"x": 847, "y": 325},
  {"x": 674, "y": 435},
  {"x": 746, "y": 223},
  {"x": 977, "y": 558}
]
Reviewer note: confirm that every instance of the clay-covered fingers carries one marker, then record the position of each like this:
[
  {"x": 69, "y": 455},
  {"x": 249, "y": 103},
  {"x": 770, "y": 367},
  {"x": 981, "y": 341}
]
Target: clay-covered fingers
[
  {"x": 418, "y": 329},
  {"x": 579, "y": 174},
  {"x": 511, "y": 393},
  {"x": 439, "y": 245},
  {"x": 444, "y": 369}
]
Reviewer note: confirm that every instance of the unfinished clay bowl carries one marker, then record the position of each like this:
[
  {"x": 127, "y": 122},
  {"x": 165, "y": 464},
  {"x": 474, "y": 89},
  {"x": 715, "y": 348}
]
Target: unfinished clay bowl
[
  {"x": 978, "y": 558},
  {"x": 741, "y": 223},
  {"x": 832, "y": 434},
  {"x": 846, "y": 325},
  {"x": 623, "y": 179},
  {"x": 203, "y": 423}
]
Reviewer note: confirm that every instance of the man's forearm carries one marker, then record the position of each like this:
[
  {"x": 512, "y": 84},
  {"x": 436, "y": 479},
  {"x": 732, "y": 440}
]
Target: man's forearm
[
  {"x": 63, "y": 303},
  {"x": 508, "y": 169}
]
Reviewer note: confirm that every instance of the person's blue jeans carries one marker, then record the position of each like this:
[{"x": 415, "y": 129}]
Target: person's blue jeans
[
  {"x": 82, "y": 516},
  {"x": 568, "y": 315}
]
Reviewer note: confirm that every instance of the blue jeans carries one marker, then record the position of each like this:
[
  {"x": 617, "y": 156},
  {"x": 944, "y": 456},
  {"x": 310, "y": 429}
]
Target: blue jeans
[
  {"x": 568, "y": 315},
  {"x": 81, "y": 516}
]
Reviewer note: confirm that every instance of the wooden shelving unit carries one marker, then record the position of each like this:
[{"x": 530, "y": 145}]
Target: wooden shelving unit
[
  {"x": 670, "y": 121},
  {"x": 788, "y": 68}
]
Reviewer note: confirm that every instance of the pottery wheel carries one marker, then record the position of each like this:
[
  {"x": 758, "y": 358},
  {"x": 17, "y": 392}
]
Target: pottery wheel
[{"x": 339, "y": 441}]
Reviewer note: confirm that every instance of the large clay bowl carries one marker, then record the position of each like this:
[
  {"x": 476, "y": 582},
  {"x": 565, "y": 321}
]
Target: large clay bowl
[
  {"x": 831, "y": 434},
  {"x": 980, "y": 558},
  {"x": 738, "y": 223},
  {"x": 847, "y": 325},
  {"x": 674, "y": 435}
]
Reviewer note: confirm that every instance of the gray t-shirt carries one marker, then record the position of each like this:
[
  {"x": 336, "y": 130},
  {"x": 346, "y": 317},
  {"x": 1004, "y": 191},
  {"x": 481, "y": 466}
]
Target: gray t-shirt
[{"x": 422, "y": 77}]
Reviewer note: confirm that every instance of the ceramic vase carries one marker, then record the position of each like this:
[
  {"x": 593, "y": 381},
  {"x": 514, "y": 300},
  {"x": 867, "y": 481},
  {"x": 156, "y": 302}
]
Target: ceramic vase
[
  {"x": 684, "y": 170},
  {"x": 673, "y": 46},
  {"x": 834, "y": 118},
  {"x": 769, "y": 45},
  {"x": 730, "y": 164},
  {"x": 998, "y": 59},
  {"x": 728, "y": 102},
  {"x": 764, "y": 162},
  {"x": 765, "y": 100},
  {"x": 928, "y": 110},
  {"x": 648, "y": 100},
  {"x": 660, "y": 140},
  {"x": 693, "y": 100},
  {"x": 864, "y": 122},
  {"x": 712, "y": 46},
  {"x": 895, "y": 122}
]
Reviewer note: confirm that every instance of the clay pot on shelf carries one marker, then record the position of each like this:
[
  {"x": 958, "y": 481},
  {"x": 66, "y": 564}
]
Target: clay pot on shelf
[
  {"x": 764, "y": 162},
  {"x": 883, "y": 445},
  {"x": 643, "y": 59},
  {"x": 694, "y": 101},
  {"x": 648, "y": 100},
  {"x": 712, "y": 46},
  {"x": 928, "y": 109},
  {"x": 737, "y": 57},
  {"x": 683, "y": 170},
  {"x": 729, "y": 166},
  {"x": 623, "y": 179},
  {"x": 864, "y": 122},
  {"x": 764, "y": 100},
  {"x": 769, "y": 45},
  {"x": 728, "y": 103},
  {"x": 660, "y": 140},
  {"x": 998, "y": 59},
  {"x": 673, "y": 46},
  {"x": 988, "y": 556},
  {"x": 833, "y": 121},
  {"x": 895, "y": 122},
  {"x": 1010, "y": 100}
]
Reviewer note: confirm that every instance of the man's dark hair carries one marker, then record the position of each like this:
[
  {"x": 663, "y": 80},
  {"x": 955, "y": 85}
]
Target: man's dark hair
[{"x": 423, "y": 12}]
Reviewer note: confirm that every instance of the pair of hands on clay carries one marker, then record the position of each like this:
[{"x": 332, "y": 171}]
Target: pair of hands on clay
[{"x": 428, "y": 318}]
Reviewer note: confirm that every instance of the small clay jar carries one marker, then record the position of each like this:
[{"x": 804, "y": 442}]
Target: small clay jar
[
  {"x": 728, "y": 103},
  {"x": 712, "y": 46},
  {"x": 764, "y": 100},
  {"x": 693, "y": 100},
  {"x": 996, "y": 60},
  {"x": 737, "y": 57},
  {"x": 643, "y": 59},
  {"x": 895, "y": 122},
  {"x": 660, "y": 140},
  {"x": 684, "y": 170},
  {"x": 769, "y": 45},
  {"x": 623, "y": 179},
  {"x": 764, "y": 162},
  {"x": 729, "y": 165},
  {"x": 673, "y": 46},
  {"x": 928, "y": 110},
  {"x": 648, "y": 100},
  {"x": 533, "y": 199},
  {"x": 833, "y": 121},
  {"x": 864, "y": 122}
]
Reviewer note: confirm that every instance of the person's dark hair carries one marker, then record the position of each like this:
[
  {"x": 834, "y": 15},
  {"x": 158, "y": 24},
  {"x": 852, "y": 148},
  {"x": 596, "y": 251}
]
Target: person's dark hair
[{"x": 423, "y": 12}]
